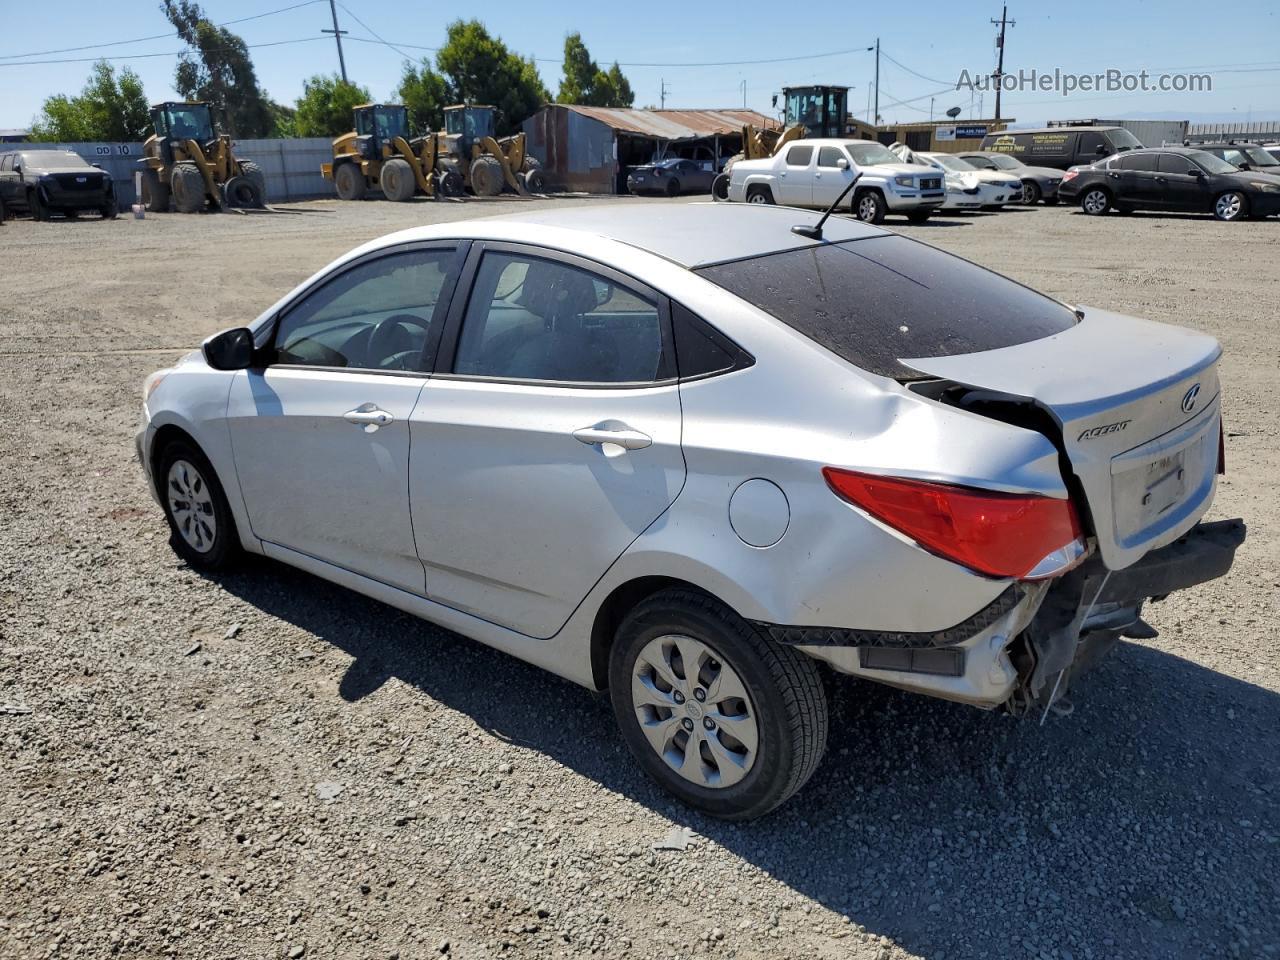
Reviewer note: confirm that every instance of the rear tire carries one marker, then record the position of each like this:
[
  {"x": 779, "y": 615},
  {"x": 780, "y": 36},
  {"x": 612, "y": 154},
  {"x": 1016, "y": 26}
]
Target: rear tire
[
  {"x": 672, "y": 189},
  {"x": 869, "y": 207},
  {"x": 1231, "y": 206},
  {"x": 188, "y": 188},
  {"x": 37, "y": 206},
  {"x": 486, "y": 176},
  {"x": 759, "y": 193},
  {"x": 202, "y": 530},
  {"x": 397, "y": 180},
  {"x": 1095, "y": 201},
  {"x": 735, "y": 733},
  {"x": 1030, "y": 193},
  {"x": 155, "y": 193},
  {"x": 349, "y": 182},
  {"x": 109, "y": 210}
]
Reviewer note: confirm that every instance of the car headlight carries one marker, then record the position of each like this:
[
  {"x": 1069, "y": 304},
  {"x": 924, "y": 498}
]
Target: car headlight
[
  {"x": 1265, "y": 187},
  {"x": 149, "y": 385},
  {"x": 905, "y": 181}
]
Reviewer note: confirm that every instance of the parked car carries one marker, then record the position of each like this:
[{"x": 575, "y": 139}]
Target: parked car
[
  {"x": 1172, "y": 178},
  {"x": 968, "y": 187},
  {"x": 684, "y": 454},
  {"x": 671, "y": 177},
  {"x": 1038, "y": 183},
  {"x": 1242, "y": 156},
  {"x": 1061, "y": 147},
  {"x": 813, "y": 173},
  {"x": 43, "y": 182}
]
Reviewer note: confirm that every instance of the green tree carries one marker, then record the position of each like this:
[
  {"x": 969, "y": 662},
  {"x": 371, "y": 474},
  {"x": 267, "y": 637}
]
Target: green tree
[
  {"x": 283, "y": 123},
  {"x": 424, "y": 94},
  {"x": 217, "y": 68},
  {"x": 585, "y": 83},
  {"x": 108, "y": 108},
  {"x": 478, "y": 68},
  {"x": 324, "y": 109}
]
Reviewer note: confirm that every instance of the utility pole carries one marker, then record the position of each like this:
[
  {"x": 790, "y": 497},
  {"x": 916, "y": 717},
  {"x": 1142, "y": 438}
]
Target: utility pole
[
  {"x": 1003, "y": 22},
  {"x": 662, "y": 98},
  {"x": 337, "y": 35},
  {"x": 875, "y": 120},
  {"x": 744, "y": 94}
]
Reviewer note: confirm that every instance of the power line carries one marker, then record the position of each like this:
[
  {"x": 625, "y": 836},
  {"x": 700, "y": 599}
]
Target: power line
[
  {"x": 158, "y": 36},
  {"x": 144, "y": 56},
  {"x": 909, "y": 70},
  {"x": 352, "y": 15}
]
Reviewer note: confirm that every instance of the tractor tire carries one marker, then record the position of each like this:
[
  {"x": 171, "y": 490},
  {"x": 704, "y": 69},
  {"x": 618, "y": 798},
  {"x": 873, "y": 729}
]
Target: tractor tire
[
  {"x": 350, "y": 182},
  {"x": 530, "y": 164},
  {"x": 534, "y": 181},
  {"x": 720, "y": 187},
  {"x": 397, "y": 180},
  {"x": 188, "y": 188},
  {"x": 486, "y": 177},
  {"x": 449, "y": 182},
  {"x": 242, "y": 192},
  {"x": 155, "y": 192},
  {"x": 254, "y": 172}
]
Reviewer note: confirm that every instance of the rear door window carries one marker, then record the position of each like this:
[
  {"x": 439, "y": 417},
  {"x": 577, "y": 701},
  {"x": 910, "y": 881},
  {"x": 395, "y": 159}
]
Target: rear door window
[
  {"x": 799, "y": 156},
  {"x": 873, "y": 301},
  {"x": 1137, "y": 161}
]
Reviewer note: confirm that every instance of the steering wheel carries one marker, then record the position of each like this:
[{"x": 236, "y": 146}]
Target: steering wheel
[{"x": 390, "y": 345}]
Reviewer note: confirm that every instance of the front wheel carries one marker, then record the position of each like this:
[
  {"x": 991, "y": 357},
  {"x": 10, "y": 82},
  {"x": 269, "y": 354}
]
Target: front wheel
[
  {"x": 1030, "y": 193},
  {"x": 1231, "y": 206},
  {"x": 201, "y": 528},
  {"x": 726, "y": 720},
  {"x": 759, "y": 194},
  {"x": 869, "y": 207},
  {"x": 1095, "y": 202}
]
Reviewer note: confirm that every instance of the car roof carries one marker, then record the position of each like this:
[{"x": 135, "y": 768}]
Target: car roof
[{"x": 689, "y": 234}]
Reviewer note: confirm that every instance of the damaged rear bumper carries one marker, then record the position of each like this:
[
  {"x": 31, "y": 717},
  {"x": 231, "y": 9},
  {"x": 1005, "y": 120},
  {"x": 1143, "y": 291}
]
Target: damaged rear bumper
[{"x": 1023, "y": 650}]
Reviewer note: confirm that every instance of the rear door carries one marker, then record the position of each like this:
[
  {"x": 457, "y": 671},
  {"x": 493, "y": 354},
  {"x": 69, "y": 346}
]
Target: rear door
[
  {"x": 795, "y": 179},
  {"x": 547, "y": 440},
  {"x": 1137, "y": 180}
]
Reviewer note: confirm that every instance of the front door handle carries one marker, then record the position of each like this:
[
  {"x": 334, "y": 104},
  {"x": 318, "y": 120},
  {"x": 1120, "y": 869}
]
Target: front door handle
[
  {"x": 622, "y": 436},
  {"x": 368, "y": 416}
]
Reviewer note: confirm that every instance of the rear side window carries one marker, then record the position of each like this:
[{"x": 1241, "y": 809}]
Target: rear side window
[
  {"x": 799, "y": 156},
  {"x": 873, "y": 301},
  {"x": 1138, "y": 161}
]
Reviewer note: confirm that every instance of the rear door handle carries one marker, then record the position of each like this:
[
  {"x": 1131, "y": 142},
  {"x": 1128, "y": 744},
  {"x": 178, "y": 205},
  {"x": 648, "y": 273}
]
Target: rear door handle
[
  {"x": 368, "y": 416},
  {"x": 622, "y": 436}
]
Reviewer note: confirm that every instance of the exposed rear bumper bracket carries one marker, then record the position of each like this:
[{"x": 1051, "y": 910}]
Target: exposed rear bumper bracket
[{"x": 1204, "y": 553}]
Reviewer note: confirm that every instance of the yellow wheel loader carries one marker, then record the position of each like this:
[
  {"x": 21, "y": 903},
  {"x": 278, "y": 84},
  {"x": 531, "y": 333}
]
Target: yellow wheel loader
[
  {"x": 487, "y": 164},
  {"x": 185, "y": 161},
  {"x": 379, "y": 154}
]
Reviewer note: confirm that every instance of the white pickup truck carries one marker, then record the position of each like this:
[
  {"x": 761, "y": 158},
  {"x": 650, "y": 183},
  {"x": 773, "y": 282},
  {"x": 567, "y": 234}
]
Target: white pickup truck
[{"x": 812, "y": 173}]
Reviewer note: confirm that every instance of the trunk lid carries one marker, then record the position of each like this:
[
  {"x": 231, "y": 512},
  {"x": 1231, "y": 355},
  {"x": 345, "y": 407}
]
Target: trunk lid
[{"x": 1138, "y": 406}]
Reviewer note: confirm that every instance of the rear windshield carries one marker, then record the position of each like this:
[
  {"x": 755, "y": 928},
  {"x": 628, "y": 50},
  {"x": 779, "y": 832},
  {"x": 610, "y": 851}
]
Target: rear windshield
[{"x": 872, "y": 301}]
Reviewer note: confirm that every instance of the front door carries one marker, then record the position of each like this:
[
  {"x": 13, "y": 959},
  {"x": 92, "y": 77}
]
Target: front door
[
  {"x": 1183, "y": 183},
  {"x": 829, "y": 178},
  {"x": 321, "y": 431},
  {"x": 551, "y": 443}
]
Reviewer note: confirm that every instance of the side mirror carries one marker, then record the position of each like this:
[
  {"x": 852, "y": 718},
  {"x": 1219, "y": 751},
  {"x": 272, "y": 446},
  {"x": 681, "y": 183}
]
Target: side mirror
[
  {"x": 229, "y": 350},
  {"x": 842, "y": 163},
  {"x": 1198, "y": 173},
  {"x": 17, "y": 168},
  {"x": 1102, "y": 151}
]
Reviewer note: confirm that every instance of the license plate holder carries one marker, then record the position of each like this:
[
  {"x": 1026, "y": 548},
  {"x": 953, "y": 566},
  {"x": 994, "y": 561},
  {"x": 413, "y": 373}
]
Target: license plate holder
[{"x": 1165, "y": 484}]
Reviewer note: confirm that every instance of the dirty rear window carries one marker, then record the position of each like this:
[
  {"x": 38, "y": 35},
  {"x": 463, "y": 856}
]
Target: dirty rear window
[{"x": 872, "y": 301}]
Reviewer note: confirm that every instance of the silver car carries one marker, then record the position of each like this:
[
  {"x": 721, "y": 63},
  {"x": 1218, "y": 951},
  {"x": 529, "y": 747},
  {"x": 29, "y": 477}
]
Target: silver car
[{"x": 685, "y": 454}]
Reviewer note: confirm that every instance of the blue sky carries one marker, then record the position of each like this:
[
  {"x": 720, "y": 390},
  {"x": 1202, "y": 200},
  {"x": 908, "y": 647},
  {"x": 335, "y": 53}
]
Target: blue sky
[{"x": 932, "y": 41}]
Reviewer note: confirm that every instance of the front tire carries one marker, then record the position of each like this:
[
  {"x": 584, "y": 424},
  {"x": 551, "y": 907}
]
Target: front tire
[
  {"x": 1095, "y": 201},
  {"x": 201, "y": 529},
  {"x": 1030, "y": 193},
  {"x": 188, "y": 188},
  {"x": 726, "y": 720},
  {"x": 397, "y": 180},
  {"x": 869, "y": 207},
  {"x": 1231, "y": 206},
  {"x": 759, "y": 194}
]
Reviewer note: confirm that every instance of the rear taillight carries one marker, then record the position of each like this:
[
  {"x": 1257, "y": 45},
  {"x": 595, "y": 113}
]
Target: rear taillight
[
  {"x": 1023, "y": 536},
  {"x": 1069, "y": 175}
]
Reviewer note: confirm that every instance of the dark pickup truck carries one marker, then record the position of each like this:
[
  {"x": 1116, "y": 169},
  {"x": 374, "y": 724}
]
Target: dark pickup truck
[{"x": 43, "y": 182}]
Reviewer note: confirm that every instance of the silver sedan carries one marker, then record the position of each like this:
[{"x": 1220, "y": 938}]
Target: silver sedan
[{"x": 693, "y": 457}]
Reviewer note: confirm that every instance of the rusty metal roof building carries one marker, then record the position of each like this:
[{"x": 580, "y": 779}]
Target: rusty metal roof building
[{"x": 674, "y": 124}]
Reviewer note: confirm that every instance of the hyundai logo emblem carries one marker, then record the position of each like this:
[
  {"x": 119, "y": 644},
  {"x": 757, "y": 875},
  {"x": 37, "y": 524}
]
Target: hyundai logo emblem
[{"x": 1189, "y": 399}]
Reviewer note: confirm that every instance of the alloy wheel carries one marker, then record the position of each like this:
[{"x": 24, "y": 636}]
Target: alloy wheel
[
  {"x": 191, "y": 504},
  {"x": 867, "y": 207},
  {"x": 757, "y": 197},
  {"x": 695, "y": 711},
  {"x": 1228, "y": 206},
  {"x": 1095, "y": 201}
]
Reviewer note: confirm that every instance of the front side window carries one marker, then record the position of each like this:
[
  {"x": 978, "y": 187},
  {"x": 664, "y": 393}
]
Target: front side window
[
  {"x": 799, "y": 156},
  {"x": 1176, "y": 164},
  {"x": 877, "y": 300},
  {"x": 535, "y": 319},
  {"x": 376, "y": 316},
  {"x": 830, "y": 157},
  {"x": 1092, "y": 144}
]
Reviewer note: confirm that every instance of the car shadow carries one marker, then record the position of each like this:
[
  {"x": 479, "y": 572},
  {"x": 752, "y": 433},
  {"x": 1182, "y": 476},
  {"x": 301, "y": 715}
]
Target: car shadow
[{"x": 1143, "y": 825}]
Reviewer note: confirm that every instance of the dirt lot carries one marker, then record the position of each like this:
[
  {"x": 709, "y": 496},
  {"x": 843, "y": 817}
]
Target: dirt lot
[{"x": 264, "y": 765}]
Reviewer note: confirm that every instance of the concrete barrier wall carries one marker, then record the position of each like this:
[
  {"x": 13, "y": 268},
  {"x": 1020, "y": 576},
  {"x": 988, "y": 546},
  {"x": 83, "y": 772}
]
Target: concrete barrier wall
[{"x": 292, "y": 167}]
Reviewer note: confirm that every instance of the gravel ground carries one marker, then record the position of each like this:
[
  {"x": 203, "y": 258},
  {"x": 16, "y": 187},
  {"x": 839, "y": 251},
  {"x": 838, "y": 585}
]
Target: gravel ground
[{"x": 265, "y": 765}]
